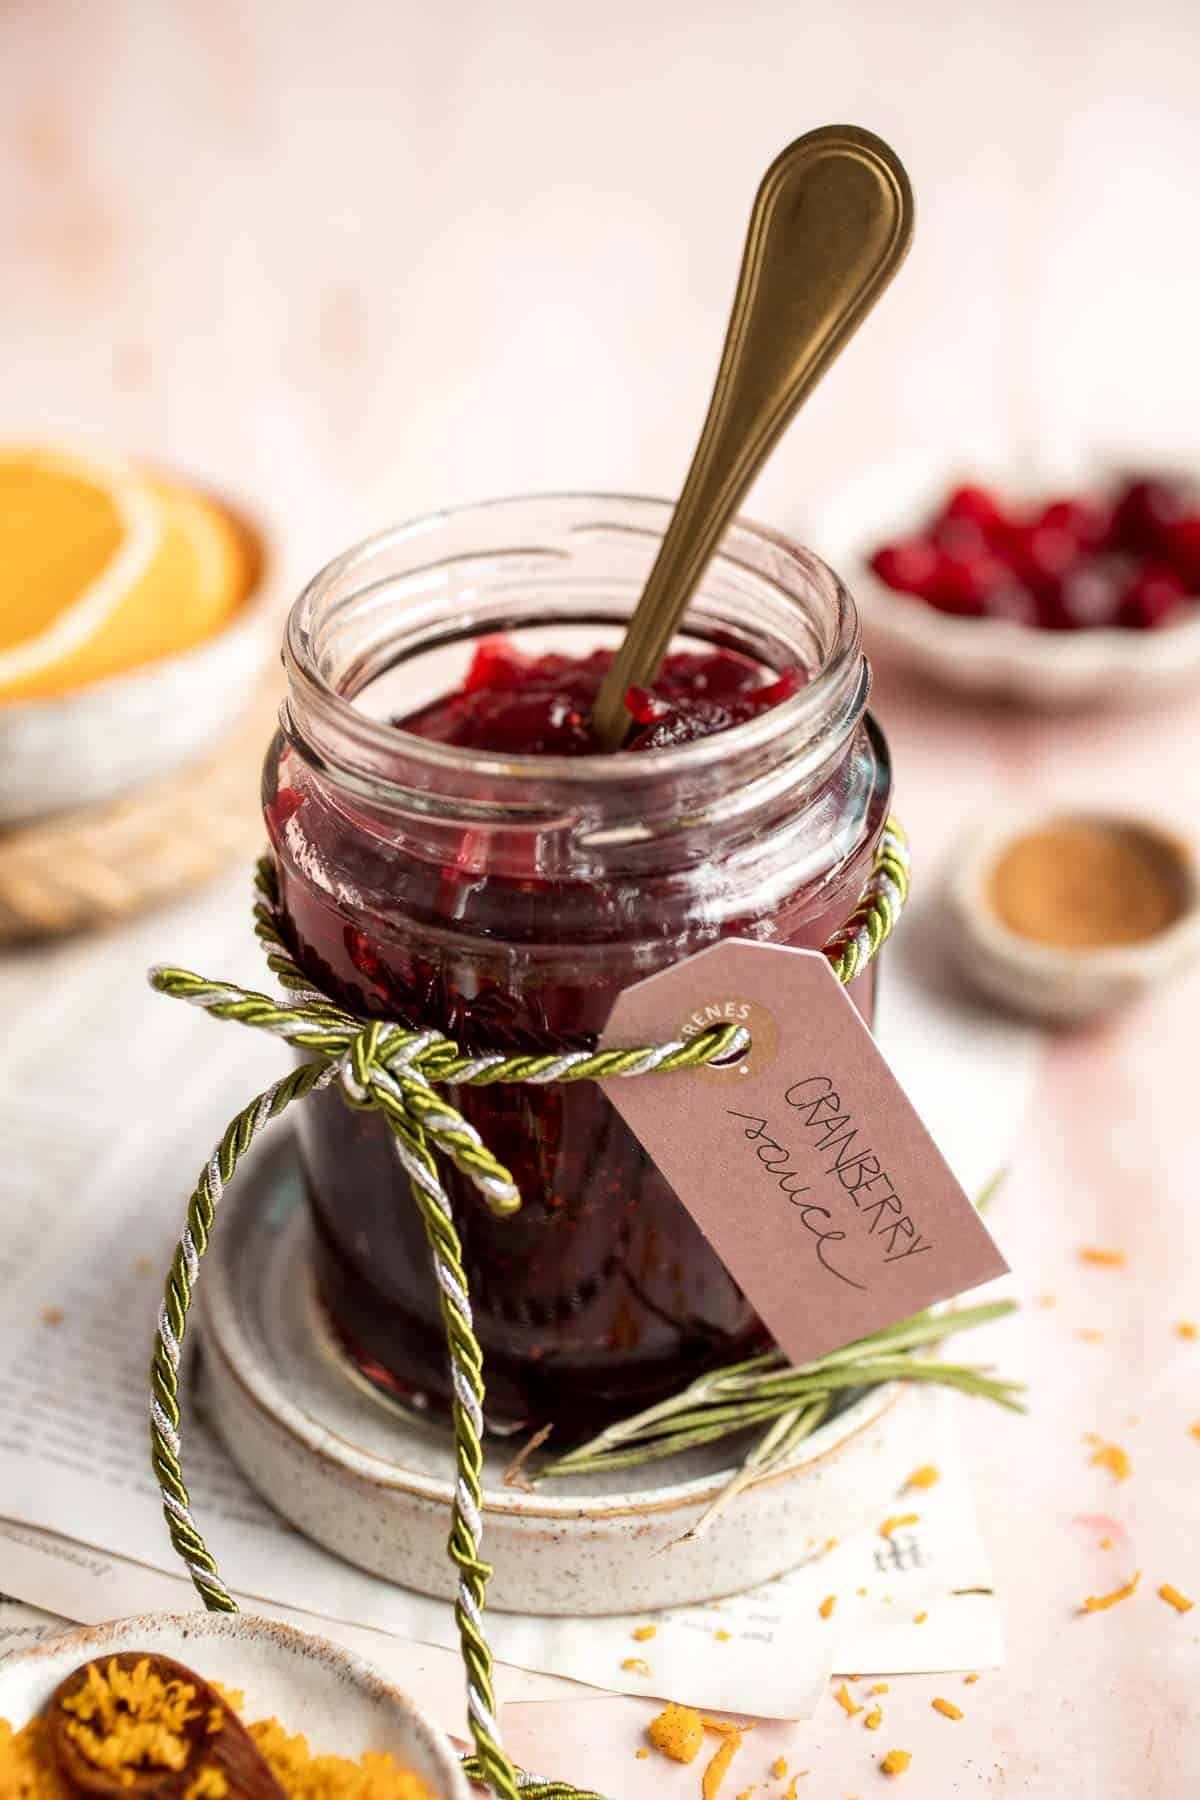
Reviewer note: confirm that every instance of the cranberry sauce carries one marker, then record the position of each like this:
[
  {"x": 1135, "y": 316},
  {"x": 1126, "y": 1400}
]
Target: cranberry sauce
[
  {"x": 601, "y": 1294},
  {"x": 541, "y": 705}
]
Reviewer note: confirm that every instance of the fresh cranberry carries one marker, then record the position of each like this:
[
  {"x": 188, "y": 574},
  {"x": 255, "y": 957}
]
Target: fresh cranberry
[
  {"x": 1152, "y": 597},
  {"x": 962, "y": 584},
  {"x": 960, "y": 538},
  {"x": 1043, "y": 553},
  {"x": 1147, "y": 507},
  {"x": 910, "y": 566},
  {"x": 1089, "y": 522},
  {"x": 1086, "y": 597},
  {"x": 978, "y": 507},
  {"x": 1183, "y": 550}
]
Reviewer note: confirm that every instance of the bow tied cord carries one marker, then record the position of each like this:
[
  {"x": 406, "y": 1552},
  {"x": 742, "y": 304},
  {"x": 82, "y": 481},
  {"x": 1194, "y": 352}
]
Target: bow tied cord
[{"x": 382, "y": 1066}]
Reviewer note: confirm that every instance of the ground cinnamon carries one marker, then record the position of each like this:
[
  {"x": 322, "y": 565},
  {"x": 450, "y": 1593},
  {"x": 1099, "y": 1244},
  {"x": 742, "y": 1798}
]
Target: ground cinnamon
[{"x": 1089, "y": 884}]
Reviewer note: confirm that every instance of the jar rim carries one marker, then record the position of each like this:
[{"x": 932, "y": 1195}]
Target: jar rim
[{"x": 842, "y": 666}]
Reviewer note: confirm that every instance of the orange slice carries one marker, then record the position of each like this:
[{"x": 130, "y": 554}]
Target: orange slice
[{"x": 103, "y": 569}]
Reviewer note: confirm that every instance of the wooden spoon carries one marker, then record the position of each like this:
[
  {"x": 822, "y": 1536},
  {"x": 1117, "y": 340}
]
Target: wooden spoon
[
  {"x": 831, "y": 223},
  {"x": 231, "y": 1750}
]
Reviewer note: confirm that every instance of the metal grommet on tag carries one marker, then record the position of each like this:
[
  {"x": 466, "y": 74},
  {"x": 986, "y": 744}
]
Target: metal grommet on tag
[{"x": 742, "y": 1059}]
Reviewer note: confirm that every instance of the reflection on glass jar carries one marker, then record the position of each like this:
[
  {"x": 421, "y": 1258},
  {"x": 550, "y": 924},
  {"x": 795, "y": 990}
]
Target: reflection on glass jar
[{"x": 507, "y": 899}]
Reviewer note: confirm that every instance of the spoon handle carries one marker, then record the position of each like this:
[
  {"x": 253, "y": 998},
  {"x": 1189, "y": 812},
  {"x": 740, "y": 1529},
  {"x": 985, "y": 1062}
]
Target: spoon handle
[{"x": 831, "y": 223}]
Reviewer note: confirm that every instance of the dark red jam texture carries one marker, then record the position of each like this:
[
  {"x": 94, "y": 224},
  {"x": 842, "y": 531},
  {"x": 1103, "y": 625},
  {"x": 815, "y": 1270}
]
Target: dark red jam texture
[
  {"x": 1129, "y": 558},
  {"x": 541, "y": 705},
  {"x": 601, "y": 1294}
]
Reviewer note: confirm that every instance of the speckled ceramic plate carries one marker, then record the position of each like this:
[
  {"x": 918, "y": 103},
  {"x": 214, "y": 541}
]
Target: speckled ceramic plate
[
  {"x": 340, "y": 1703},
  {"x": 374, "y": 1483}
]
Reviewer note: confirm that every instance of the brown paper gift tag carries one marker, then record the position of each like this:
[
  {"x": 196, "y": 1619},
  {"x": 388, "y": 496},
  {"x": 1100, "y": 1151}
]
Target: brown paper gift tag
[{"x": 803, "y": 1162}]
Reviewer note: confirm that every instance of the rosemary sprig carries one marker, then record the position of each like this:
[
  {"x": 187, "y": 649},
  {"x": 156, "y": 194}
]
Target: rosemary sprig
[
  {"x": 766, "y": 1390},
  {"x": 774, "y": 1447}
]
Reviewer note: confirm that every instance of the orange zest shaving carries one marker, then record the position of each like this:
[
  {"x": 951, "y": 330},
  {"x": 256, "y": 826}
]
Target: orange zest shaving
[
  {"x": 896, "y": 1761},
  {"x": 791, "y": 1786},
  {"x": 1102, "y": 1259},
  {"x": 1087, "y": 1334},
  {"x": 1186, "y": 1329},
  {"x": 874, "y": 1718},
  {"x": 1174, "y": 1598},
  {"x": 637, "y": 1665},
  {"x": 969, "y": 1679},
  {"x": 725, "y": 1726},
  {"x": 831, "y": 1543},
  {"x": 848, "y": 1706},
  {"x": 642, "y": 1754},
  {"x": 643, "y": 1633},
  {"x": 1195, "y": 1429},
  {"x": 1114, "y": 1459},
  {"x": 894, "y": 1524},
  {"x": 920, "y": 1618},
  {"x": 880, "y": 1687},
  {"x": 718, "y": 1768},
  {"x": 779, "y": 1767},
  {"x": 678, "y": 1732},
  {"x": 827, "y": 1605},
  {"x": 722, "y": 1637},
  {"x": 1101, "y": 1602},
  {"x": 924, "y": 1477},
  {"x": 947, "y": 1708}
]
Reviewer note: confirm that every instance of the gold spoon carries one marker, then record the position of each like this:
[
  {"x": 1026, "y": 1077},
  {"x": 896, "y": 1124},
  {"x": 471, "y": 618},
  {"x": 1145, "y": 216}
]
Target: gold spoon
[{"x": 831, "y": 223}]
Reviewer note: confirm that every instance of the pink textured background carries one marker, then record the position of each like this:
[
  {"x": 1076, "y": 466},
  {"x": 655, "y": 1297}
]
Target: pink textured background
[
  {"x": 365, "y": 260},
  {"x": 1102, "y": 1705}
]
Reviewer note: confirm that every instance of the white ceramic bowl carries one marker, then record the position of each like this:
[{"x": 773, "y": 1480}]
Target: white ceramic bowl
[
  {"x": 991, "y": 658},
  {"x": 339, "y": 1703},
  {"x": 69, "y": 752},
  {"x": 1047, "y": 981}
]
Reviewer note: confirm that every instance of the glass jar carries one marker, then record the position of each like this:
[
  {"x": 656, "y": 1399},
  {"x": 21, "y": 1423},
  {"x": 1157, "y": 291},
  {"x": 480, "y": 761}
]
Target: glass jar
[{"x": 507, "y": 900}]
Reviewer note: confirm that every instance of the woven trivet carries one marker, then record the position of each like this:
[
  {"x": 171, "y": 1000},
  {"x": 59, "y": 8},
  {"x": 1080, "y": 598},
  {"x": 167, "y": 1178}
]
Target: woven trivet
[{"x": 81, "y": 870}]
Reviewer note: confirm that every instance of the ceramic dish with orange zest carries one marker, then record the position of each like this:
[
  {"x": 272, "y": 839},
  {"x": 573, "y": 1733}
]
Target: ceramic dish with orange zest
[
  {"x": 306, "y": 1701},
  {"x": 133, "y": 626}
]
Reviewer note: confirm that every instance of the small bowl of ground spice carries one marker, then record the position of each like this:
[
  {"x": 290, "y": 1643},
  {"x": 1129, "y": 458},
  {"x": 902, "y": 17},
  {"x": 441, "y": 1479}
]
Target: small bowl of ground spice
[
  {"x": 1069, "y": 914},
  {"x": 325, "y": 1724}
]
